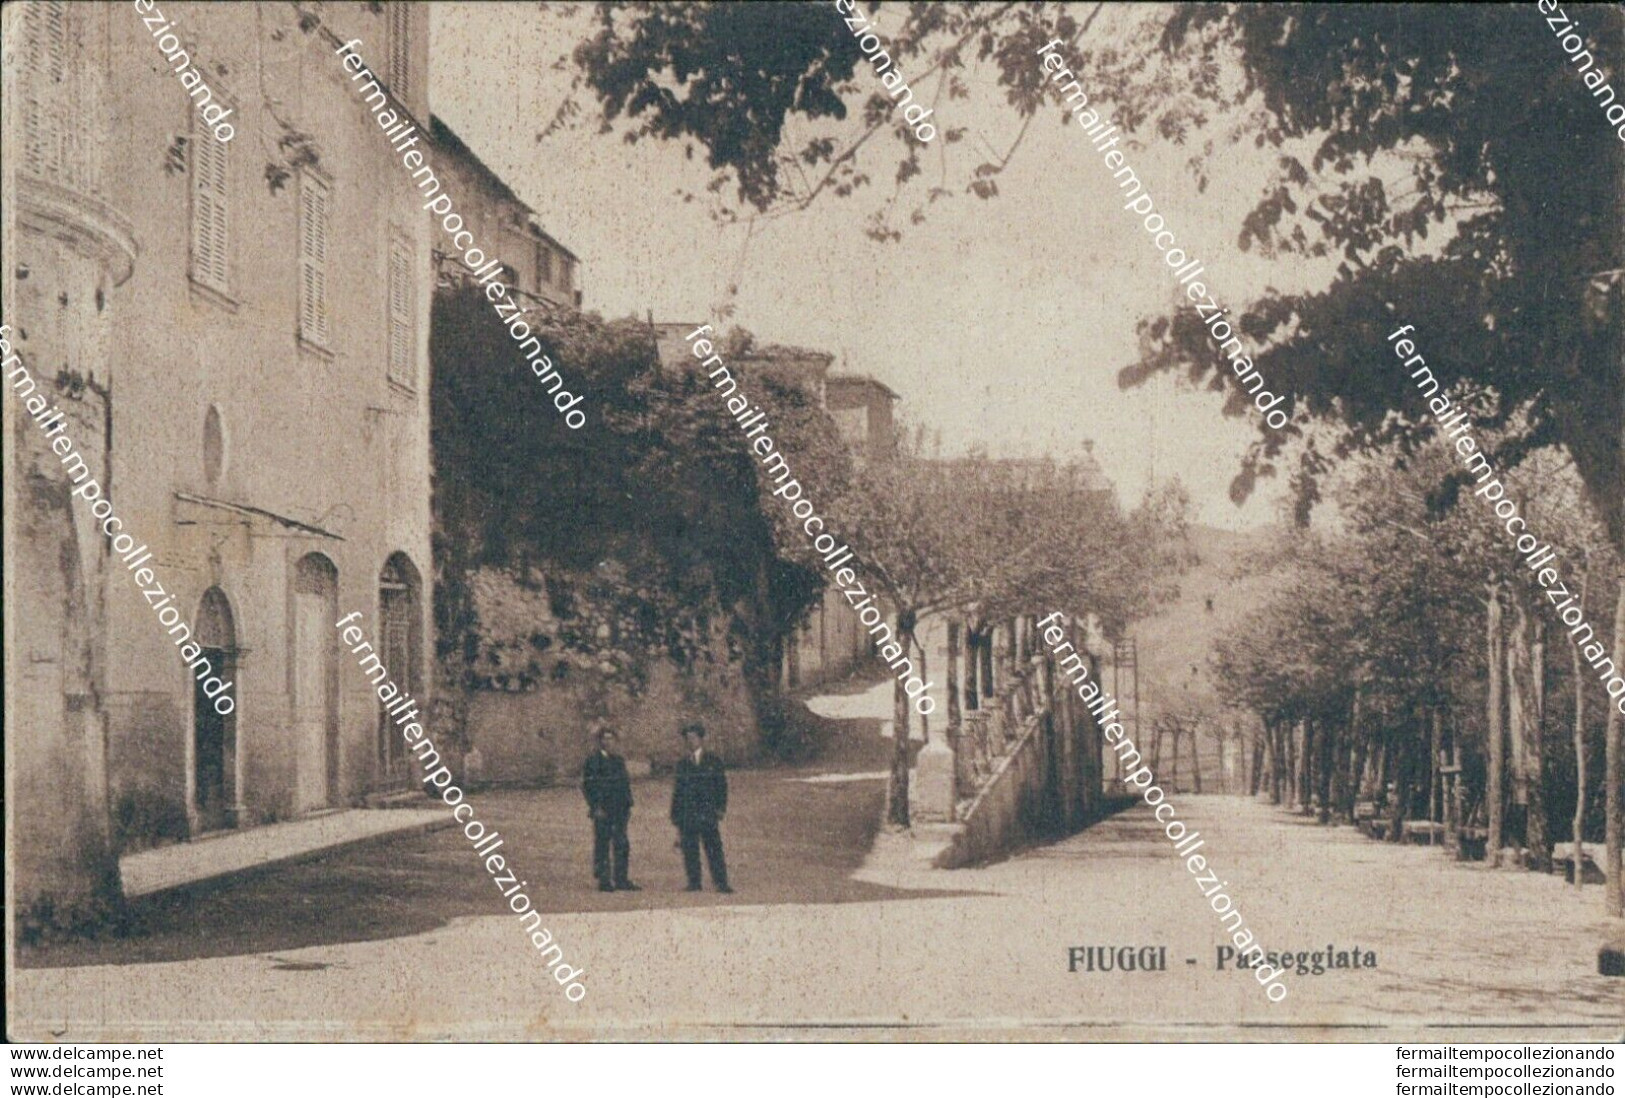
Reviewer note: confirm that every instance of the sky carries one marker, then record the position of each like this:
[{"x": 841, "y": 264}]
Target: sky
[{"x": 1001, "y": 323}]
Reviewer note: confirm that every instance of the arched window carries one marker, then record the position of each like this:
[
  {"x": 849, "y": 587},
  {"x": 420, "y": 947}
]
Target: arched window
[{"x": 400, "y": 646}]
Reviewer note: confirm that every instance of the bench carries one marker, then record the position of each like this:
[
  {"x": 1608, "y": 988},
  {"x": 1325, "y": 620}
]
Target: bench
[
  {"x": 1611, "y": 957},
  {"x": 1423, "y": 832},
  {"x": 1591, "y": 872}
]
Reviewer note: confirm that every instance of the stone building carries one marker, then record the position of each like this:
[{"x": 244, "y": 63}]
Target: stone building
[
  {"x": 262, "y": 426},
  {"x": 63, "y": 246},
  {"x": 830, "y": 641},
  {"x": 533, "y": 262},
  {"x": 862, "y": 409}
]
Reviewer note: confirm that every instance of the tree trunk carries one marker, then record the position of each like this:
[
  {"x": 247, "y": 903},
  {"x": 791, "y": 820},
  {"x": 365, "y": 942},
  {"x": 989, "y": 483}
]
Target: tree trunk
[
  {"x": 1458, "y": 791},
  {"x": 1306, "y": 763},
  {"x": 1449, "y": 761},
  {"x": 1580, "y": 739},
  {"x": 1435, "y": 746},
  {"x": 1525, "y": 669},
  {"x": 1353, "y": 763},
  {"x": 1255, "y": 762},
  {"x": 1328, "y": 732},
  {"x": 901, "y": 707},
  {"x": 1537, "y": 828},
  {"x": 1272, "y": 745},
  {"x": 1402, "y": 791},
  {"x": 1614, "y": 771},
  {"x": 925, "y": 676},
  {"x": 1495, "y": 705},
  {"x": 1094, "y": 745},
  {"x": 1294, "y": 765},
  {"x": 1283, "y": 762},
  {"x": 1357, "y": 775}
]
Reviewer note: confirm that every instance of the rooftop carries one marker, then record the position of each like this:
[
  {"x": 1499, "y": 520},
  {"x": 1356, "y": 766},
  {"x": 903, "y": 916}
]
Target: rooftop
[
  {"x": 860, "y": 381},
  {"x": 444, "y": 135}
]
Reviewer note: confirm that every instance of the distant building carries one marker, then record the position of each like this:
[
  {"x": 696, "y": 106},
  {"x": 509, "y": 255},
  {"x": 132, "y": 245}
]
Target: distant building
[
  {"x": 1081, "y": 473},
  {"x": 862, "y": 409},
  {"x": 504, "y": 226},
  {"x": 797, "y": 364},
  {"x": 671, "y": 349}
]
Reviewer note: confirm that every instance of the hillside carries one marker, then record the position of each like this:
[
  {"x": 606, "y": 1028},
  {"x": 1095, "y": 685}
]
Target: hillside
[{"x": 1214, "y": 595}]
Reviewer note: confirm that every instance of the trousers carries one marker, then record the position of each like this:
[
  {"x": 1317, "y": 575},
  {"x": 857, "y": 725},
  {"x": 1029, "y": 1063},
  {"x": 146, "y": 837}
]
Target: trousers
[
  {"x": 611, "y": 850},
  {"x": 691, "y": 839}
]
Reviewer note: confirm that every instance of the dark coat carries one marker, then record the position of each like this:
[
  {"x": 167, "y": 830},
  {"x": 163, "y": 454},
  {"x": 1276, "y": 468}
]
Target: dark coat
[
  {"x": 700, "y": 796},
  {"x": 608, "y": 789}
]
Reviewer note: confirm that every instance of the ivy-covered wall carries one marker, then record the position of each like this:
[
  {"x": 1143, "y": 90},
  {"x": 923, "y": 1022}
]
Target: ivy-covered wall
[
  {"x": 633, "y": 570},
  {"x": 558, "y": 650}
]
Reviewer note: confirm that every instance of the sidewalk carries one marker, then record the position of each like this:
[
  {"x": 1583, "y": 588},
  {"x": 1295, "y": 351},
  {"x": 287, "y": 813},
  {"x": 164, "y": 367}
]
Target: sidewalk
[
  {"x": 805, "y": 952},
  {"x": 231, "y": 853}
]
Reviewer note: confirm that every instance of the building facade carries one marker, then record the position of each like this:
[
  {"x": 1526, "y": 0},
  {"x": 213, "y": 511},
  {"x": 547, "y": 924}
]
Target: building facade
[
  {"x": 533, "y": 263},
  {"x": 64, "y": 248},
  {"x": 264, "y": 420}
]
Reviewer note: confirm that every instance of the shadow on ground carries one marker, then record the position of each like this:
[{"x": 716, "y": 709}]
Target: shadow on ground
[{"x": 788, "y": 841}]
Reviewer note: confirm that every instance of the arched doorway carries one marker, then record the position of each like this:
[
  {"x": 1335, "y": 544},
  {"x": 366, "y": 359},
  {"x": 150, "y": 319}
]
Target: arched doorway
[
  {"x": 214, "y": 754},
  {"x": 314, "y": 660},
  {"x": 400, "y": 637}
]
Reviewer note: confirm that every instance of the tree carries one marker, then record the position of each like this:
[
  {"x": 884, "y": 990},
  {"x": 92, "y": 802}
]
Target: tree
[
  {"x": 1392, "y": 601},
  {"x": 665, "y": 484},
  {"x": 1468, "y": 121},
  {"x": 1521, "y": 172},
  {"x": 731, "y": 78},
  {"x": 1524, "y": 301},
  {"x": 986, "y": 537}
]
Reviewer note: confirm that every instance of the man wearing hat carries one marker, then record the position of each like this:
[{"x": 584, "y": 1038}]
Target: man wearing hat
[
  {"x": 609, "y": 802},
  {"x": 698, "y": 802}
]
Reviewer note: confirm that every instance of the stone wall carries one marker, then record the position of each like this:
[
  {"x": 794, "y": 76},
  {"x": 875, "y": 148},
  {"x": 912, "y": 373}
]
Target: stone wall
[
  {"x": 60, "y": 245},
  {"x": 829, "y": 643},
  {"x": 557, "y": 651}
]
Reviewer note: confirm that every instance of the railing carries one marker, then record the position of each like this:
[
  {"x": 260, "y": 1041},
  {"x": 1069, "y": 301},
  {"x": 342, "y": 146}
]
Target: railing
[{"x": 987, "y": 734}]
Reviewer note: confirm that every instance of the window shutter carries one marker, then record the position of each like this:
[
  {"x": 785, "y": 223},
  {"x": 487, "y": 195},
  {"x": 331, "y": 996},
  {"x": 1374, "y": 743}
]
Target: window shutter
[
  {"x": 313, "y": 261},
  {"x": 211, "y": 226},
  {"x": 400, "y": 50},
  {"x": 55, "y": 44},
  {"x": 401, "y": 327},
  {"x": 46, "y": 40}
]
